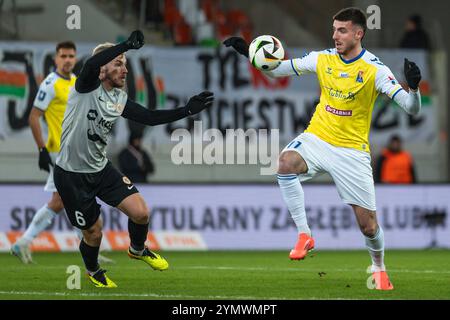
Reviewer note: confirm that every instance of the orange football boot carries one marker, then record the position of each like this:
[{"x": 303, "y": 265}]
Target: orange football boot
[
  {"x": 304, "y": 244},
  {"x": 381, "y": 281}
]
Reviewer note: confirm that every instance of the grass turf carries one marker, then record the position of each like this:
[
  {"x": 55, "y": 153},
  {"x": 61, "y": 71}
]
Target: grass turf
[{"x": 233, "y": 275}]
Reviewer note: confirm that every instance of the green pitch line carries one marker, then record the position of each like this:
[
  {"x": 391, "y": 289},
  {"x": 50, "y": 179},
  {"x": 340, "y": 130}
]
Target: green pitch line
[{"x": 233, "y": 275}]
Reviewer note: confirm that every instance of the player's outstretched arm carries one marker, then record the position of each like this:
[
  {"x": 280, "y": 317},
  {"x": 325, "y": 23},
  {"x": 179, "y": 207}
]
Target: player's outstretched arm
[
  {"x": 411, "y": 101},
  {"x": 412, "y": 74},
  {"x": 88, "y": 79},
  {"x": 293, "y": 67},
  {"x": 136, "y": 112}
]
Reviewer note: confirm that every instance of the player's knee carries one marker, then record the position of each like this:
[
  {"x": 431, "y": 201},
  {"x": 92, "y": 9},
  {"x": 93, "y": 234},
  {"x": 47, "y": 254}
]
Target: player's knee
[
  {"x": 369, "y": 230},
  {"x": 56, "y": 204},
  {"x": 59, "y": 205},
  {"x": 93, "y": 235},
  {"x": 142, "y": 215},
  {"x": 284, "y": 164},
  {"x": 289, "y": 162}
]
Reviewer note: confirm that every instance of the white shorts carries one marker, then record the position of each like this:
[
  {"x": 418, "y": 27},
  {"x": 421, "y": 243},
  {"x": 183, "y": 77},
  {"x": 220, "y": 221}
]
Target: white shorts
[
  {"x": 350, "y": 168},
  {"x": 50, "y": 185}
]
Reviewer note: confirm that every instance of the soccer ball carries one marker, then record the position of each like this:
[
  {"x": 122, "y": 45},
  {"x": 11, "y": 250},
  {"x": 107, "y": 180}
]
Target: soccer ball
[{"x": 265, "y": 53}]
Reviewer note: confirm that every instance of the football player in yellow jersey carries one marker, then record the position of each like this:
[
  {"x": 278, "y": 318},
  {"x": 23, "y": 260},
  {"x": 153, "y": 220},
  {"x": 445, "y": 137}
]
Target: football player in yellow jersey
[
  {"x": 336, "y": 140},
  {"x": 50, "y": 102}
]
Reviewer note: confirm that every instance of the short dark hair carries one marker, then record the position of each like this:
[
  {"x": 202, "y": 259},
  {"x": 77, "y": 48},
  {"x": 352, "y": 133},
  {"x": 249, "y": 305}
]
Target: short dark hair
[
  {"x": 395, "y": 137},
  {"x": 416, "y": 19},
  {"x": 66, "y": 45},
  {"x": 355, "y": 15}
]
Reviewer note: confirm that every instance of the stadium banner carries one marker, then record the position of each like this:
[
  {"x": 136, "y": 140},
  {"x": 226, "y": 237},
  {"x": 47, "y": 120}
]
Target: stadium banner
[
  {"x": 245, "y": 98},
  {"x": 201, "y": 217},
  {"x": 68, "y": 241}
]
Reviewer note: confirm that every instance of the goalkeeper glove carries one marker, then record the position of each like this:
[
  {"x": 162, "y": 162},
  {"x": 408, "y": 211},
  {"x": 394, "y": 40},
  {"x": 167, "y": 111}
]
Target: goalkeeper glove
[
  {"x": 135, "y": 40},
  {"x": 412, "y": 74},
  {"x": 44, "y": 159},
  {"x": 238, "y": 44},
  {"x": 199, "y": 102}
]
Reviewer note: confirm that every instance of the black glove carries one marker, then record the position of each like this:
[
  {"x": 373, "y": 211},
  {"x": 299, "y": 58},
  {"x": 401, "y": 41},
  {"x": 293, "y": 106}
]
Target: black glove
[
  {"x": 238, "y": 44},
  {"x": 412, "y": 74},
  {"x": 44, "y": 159},
  {"x": 199, "y": 102},
  {"x": 135, "y": 40}
]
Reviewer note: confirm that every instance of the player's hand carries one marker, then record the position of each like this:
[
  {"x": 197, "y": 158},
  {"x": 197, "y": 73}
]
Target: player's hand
[
  {"x": 412, "y": 74},
  {"x": 238, "y": 44},
  {"x": 44, "y": 159},
  {"x": 135, "y": 40},
  {"x": 199, "y": 102}
]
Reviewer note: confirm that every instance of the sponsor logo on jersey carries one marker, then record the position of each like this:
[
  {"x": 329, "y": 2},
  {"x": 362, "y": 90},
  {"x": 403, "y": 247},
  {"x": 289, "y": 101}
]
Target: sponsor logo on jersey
[
  {"x": 343, "y": 75},
  {"x": 92, "y": 114},
  {"x": 338, "y": 94},
  {"x": 95, "y": 137},
  {"x": 337, "y": 112},
  {"x": 105, "y": 124}
]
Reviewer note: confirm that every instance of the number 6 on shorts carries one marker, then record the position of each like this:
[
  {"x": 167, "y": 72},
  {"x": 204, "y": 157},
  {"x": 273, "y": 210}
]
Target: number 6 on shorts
[{"x": 80, "y": 219}]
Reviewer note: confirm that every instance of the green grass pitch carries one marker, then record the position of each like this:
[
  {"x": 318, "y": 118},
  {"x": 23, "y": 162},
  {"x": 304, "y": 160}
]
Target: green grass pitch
[{"x": 233, "y": 275}]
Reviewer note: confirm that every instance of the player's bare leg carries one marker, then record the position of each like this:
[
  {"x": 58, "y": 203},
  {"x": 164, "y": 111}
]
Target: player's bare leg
[
  {"x": 41, "y": 220},
  {"x": 373, "y": 233},
  {"x": 136, "y": 209},
  {"x": 290, "y": 165}
]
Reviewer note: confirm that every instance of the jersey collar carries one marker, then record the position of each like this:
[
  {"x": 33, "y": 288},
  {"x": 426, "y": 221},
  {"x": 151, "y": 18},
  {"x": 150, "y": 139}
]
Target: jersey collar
[
  {"x": 355, "y": 58},
  {"x": 61, "y": 76}
]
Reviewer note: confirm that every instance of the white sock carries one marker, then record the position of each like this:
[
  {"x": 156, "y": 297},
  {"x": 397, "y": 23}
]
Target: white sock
[
  {"x": 293, "y": 196},
  {"x": 375, "y": 245},
  {"x": 41, "y": 220},
  {"x": 136, "y": 252}
]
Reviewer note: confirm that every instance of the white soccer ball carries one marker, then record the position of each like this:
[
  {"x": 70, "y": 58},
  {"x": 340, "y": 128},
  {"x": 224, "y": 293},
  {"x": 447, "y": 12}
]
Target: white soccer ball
[{"x": 265, "y": 52}]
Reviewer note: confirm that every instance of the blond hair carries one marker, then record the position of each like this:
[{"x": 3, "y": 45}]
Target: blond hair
[{"x": 101, "y": 47}]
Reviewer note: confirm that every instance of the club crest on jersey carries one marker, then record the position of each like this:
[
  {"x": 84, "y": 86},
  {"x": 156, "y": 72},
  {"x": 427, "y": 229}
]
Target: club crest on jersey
[
  {"x": 119, "y": 107},
  {"x": 359, "y": 78},
  {"x": 115, "y": 107},
  {"x": 126, "y": 180}
]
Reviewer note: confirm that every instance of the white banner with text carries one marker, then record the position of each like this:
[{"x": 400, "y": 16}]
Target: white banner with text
[{"x": 255, "y": 217}]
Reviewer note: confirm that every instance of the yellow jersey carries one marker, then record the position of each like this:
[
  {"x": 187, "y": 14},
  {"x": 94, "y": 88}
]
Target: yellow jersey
[
  {"x": 349, "y": 89},
  {"x": 52, "y": 99}
]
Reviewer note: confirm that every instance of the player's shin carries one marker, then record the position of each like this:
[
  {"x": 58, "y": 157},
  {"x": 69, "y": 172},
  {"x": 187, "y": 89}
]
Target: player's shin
[
  {"x": 375, "y": 245},
  {"x": 294, "y": 198},
  {"x": 41, "y": 220},
  {"x": 90, "y": 257},
  {"x": 138, "y": 235}
]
